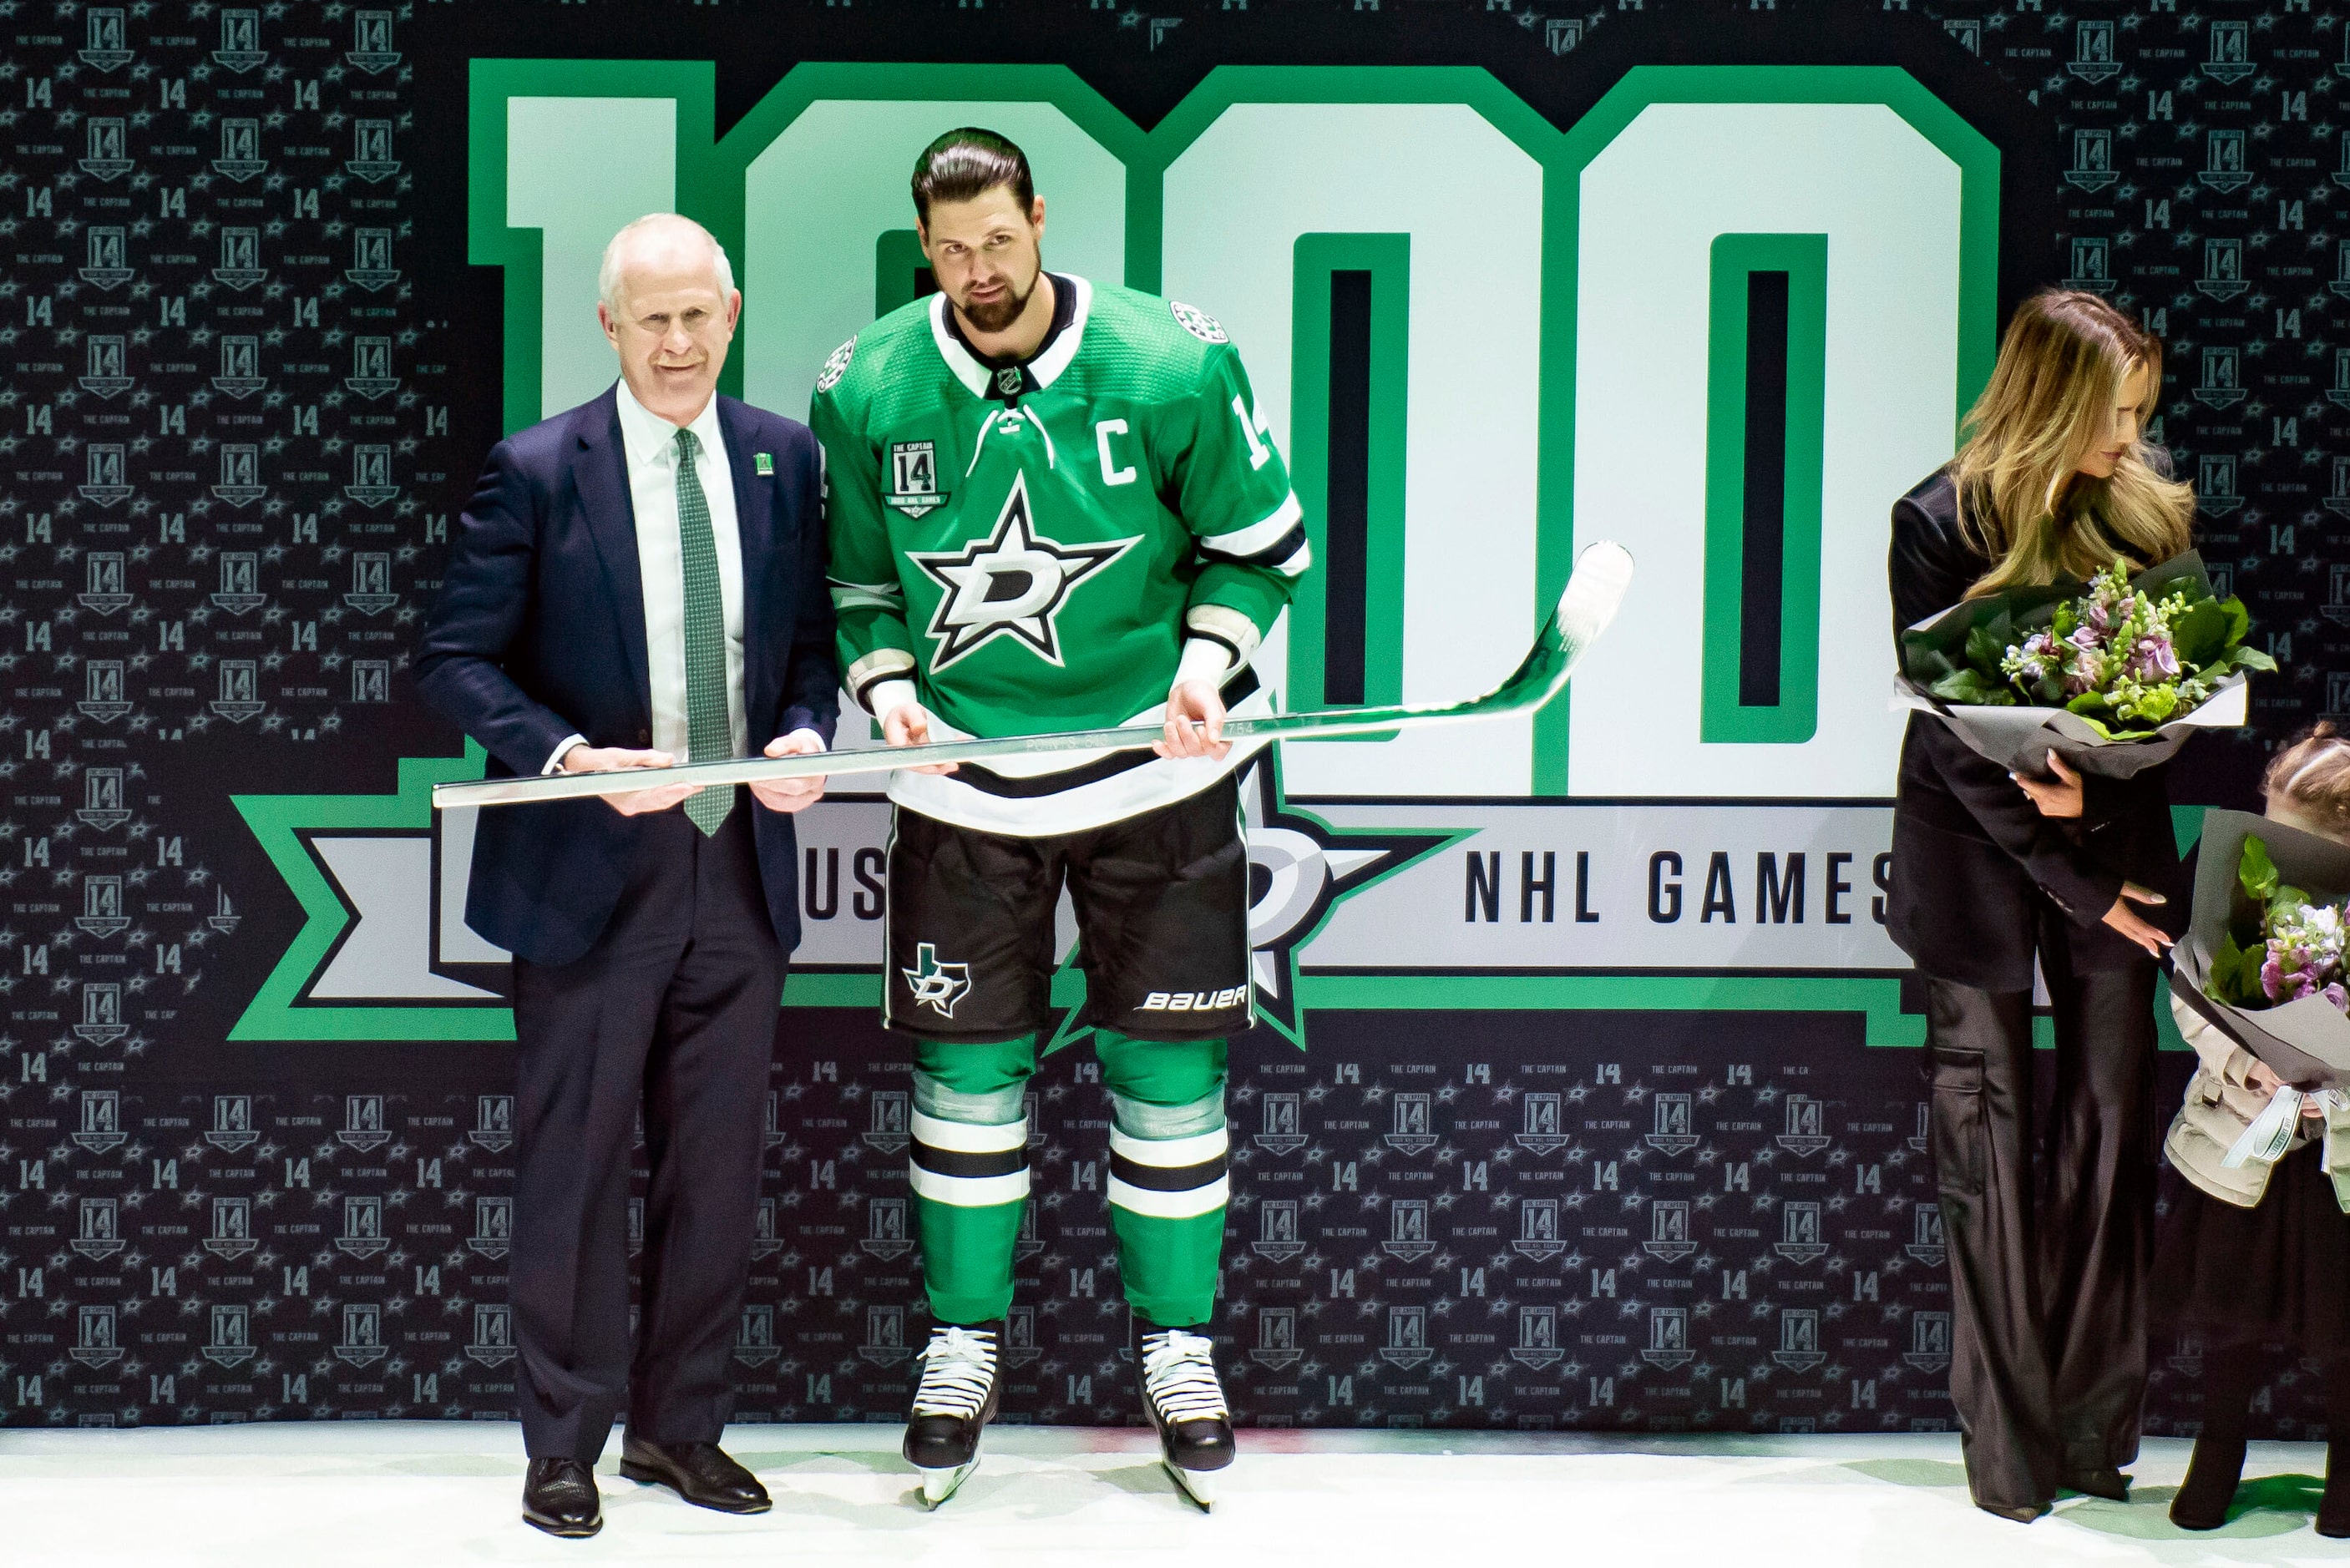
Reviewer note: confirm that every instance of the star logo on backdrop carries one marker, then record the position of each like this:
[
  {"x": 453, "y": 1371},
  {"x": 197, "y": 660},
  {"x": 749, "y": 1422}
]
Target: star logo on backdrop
[{"x": 1010, "y": 583}]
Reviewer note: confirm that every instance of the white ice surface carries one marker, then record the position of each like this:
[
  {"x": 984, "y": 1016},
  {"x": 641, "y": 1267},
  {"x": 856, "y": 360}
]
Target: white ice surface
[{"x": 423, "y": 1495}]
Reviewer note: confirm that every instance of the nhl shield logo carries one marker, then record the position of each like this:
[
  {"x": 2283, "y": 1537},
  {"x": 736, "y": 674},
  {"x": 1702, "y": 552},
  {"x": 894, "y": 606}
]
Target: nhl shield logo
[
  {"x": 1408, "y": 1235},
  {"x": 1669, "y": 1345},
  {"x": 492, "y": 1227},
  {"x": 232, "y": 1236},
  {"x": 888, "y": 1131},
  {"x": 1806, "y": 1125},
  {"x": 1668, "y": 1230},
  {"x": 912, "y": 477},
  {"x": 1537, "y": 1344},
  {"x": 1929, "y": 1340},
  {"x": 1541, "y": 1124},
  {"x": 885, "y": 1335},
  {"x": 362, "y": 1342},
  {"x": 1799, "y": 1339},
  {"x": 1406, "y": 1344},
  {"x": 755, "y": 1340},
  {"x": 1674, "y": 1131},
  {"x": 100, "y": 1231},
  {"x": 1412, "y": 1121},
  {"x": 493, "y": 1342},
  {"x": 1926, "y": 1243},
  {"x": 1283, "y": 1121},
  {"x": 1799, "y": 1233},
  {"x": 362, "y": 1234},
  {"x": 1276, "y": 1229},
  {"x": 231, "y": 1341},
  {"x": 232, "y": 1127},
  {"x": 1276, "y": 1339},
  {"x": 363, "y": 1128},
  {"x": 94, "y": 1342},
  {"x": 1538, "y": 1229},
  {"x": 885, "y": 1234},
  {"x": 101, "y": 1112}
]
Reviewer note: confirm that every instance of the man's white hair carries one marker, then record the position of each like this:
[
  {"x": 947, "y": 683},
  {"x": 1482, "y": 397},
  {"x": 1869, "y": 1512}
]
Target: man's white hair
[{"x": 607, "y": 276}]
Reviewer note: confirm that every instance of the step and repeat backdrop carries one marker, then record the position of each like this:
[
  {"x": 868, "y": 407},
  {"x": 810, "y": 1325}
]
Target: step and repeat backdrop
[{"x": 1587, "y": 1095}]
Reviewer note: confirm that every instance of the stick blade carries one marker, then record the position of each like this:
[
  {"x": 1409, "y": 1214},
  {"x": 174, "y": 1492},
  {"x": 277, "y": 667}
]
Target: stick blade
[{"x": 1595, "y": 592}]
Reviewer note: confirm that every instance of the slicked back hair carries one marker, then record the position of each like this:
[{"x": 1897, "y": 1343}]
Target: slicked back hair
[{"x": 963, "y": 165}]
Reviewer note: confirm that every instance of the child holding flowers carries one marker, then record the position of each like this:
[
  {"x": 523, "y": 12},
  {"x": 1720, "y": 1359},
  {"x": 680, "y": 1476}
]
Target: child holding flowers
[
  {"x": 2054, "y": 481},
  {"x": 2260, "y": 1254}
]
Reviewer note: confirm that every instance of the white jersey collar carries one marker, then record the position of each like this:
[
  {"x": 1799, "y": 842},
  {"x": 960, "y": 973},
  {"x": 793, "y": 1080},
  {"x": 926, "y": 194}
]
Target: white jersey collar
[{"x": 1043, "y": 370}]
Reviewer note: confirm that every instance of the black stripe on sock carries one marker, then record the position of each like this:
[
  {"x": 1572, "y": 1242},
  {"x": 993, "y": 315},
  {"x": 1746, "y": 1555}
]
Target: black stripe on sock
[
  {"x": 954, "y": 1162},
  {"x": 1165, "y": 1178}
]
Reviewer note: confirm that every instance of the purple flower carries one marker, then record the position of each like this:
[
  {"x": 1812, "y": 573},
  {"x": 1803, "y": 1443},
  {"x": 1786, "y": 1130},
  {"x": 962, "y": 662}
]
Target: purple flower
[{"x": 2337, "y": 996}]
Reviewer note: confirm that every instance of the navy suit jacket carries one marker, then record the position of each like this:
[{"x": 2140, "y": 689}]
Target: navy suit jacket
[{"x": 539, "y": 634}]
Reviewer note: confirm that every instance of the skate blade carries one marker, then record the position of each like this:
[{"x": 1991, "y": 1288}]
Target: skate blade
[
  {"x": 941, "y": 1484},
  {"x": 1199, "y": 1485}
]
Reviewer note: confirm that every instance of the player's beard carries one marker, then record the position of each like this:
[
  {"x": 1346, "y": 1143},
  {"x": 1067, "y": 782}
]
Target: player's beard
[{"x": 993, "y": 318}]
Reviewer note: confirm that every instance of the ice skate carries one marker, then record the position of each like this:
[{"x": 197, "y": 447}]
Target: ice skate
[
  {"x": 1186, "y": 1401},
  {"x": 955, "y": 1400}
]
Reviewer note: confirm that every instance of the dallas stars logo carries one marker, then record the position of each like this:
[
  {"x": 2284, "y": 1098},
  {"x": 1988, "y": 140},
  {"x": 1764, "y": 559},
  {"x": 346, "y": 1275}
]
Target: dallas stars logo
[
  {"x": 1012, "y": 583},
  {"x": 934, "y": 984}
]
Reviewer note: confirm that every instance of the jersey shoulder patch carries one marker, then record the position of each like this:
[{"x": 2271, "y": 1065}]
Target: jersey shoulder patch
[
  {"x": 1198, "y": 322},
  {"x": 836, "y": 366}
]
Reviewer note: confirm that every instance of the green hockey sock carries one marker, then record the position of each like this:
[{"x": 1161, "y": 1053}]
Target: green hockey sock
[
  {"x": 969, "y": 1170},
  {"x": 1167, "y": 1182}
]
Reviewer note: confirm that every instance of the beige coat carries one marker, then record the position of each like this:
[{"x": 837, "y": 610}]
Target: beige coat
[{"x": 2220, "y": 1103}]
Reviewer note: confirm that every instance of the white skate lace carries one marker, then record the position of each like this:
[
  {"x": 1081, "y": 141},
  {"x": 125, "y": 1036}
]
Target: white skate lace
[
  {"x": 1178, "y": 1369},
  {"x": 958, "y": 1370}
]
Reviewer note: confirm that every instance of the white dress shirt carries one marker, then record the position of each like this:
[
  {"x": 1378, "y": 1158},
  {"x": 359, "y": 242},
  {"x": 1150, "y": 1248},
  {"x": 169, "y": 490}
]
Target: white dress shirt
[{"x": 649, "y": 443}]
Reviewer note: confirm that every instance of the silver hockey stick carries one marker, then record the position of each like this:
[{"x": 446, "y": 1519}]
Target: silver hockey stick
[{"x": 1593, "y": 593}]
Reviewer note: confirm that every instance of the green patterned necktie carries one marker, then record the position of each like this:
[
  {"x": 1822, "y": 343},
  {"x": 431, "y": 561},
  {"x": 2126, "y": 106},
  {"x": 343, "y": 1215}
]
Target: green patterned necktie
[{"x": 708, "y": 734}]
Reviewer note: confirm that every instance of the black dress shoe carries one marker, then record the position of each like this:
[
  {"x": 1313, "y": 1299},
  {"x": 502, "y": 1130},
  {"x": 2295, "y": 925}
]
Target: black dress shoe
[
  {"x": 2020, "y": 1513},
  {"x": 699, "y": 1472},
  {"x": 559, "y": 1496}
]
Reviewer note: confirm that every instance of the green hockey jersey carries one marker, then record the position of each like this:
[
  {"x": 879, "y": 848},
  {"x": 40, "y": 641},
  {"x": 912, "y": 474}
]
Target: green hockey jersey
[{"x": 1042, "y": 546}]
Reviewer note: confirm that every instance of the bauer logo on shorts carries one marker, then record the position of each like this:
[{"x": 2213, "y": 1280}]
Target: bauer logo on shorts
[
  {"x": 913, "y": 478},
  {"x": 1195, "y": 1001},
  {"x": 1198, "y": 322},
  {"x": 934, "y": 984}
]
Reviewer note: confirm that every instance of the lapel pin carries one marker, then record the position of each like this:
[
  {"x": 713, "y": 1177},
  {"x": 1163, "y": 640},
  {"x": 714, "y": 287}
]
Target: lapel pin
[{"x": 763, "y": 462}]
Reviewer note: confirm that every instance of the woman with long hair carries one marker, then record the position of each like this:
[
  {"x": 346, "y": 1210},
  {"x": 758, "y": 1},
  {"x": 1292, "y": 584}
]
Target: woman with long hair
[{"x": 1996, "y": 875}]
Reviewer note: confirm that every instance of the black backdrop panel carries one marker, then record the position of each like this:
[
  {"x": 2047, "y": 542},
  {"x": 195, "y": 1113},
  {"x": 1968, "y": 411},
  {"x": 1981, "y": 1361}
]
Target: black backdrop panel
[{"x": 250, "y": 377}]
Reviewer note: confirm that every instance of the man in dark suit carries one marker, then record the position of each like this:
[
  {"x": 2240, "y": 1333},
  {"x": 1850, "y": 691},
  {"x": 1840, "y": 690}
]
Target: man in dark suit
[{"x": 637, "y": 581}]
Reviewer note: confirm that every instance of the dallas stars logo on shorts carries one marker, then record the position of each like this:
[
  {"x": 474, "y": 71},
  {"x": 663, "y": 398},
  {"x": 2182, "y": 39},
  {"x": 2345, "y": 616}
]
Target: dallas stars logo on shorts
[
  {"x": 934, "y": 984},
  {"x": 1012, "y": 582}
]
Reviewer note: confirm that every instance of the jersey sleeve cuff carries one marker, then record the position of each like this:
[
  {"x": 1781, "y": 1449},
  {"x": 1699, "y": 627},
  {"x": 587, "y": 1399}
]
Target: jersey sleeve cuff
[
  {"x": 885, "y": 697},
  {"x": 1205, "y": 659},
  {"x": 1225, "y": 626}
]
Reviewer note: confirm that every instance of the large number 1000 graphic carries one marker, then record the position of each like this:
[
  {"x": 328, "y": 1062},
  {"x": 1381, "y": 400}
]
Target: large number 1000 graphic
[{"x": 1725, "y": 319}]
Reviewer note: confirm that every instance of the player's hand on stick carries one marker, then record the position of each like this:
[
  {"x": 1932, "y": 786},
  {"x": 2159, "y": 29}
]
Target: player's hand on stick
[
  {"x": 1195, "y": 722},
  {"x": 791, "y": 795},
  {"x": 612, "y": 759},
  {"x": 2057, "y": 797},
  {"x": 909, "y": 725}
]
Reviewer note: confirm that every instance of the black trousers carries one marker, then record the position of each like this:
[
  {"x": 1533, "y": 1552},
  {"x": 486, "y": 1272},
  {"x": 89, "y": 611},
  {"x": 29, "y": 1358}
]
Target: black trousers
[
  {"x": 672, "y": 1010},
  {"x": 2048, "y": 1266}
]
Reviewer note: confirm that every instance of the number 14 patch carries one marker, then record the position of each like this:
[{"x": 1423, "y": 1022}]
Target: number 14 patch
[{"x": 911, "y": 478}]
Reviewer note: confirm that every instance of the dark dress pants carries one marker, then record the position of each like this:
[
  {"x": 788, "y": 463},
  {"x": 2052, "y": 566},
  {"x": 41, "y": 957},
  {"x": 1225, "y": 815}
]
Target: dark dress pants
[
  {"x": 674, "y": 1009},
  {"x": 2048, "y": 1273}
]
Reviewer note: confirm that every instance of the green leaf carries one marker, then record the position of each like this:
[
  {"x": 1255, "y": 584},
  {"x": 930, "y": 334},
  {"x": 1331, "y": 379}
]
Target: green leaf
[
  {"x": 1985, "y": 650},
  {"x": 2087, "y": 704},
  {"x": 2240, "y": 619},
  {"x": 2248, "y": 657},
  {"x": 1971, "y": 688},
  {"x": 2200, "y": 634},
  {"x": 2255, "y": 870}
]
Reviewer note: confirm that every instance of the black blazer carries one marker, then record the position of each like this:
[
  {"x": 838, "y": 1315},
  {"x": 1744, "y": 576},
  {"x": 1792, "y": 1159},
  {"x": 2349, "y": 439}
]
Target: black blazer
[
  {"x": 539, "y": 634},
  {"x": 1972, "y": 859}
]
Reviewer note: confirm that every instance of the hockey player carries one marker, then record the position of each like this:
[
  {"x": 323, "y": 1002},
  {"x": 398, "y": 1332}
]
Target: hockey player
[{"x": 1054, "y": 506}]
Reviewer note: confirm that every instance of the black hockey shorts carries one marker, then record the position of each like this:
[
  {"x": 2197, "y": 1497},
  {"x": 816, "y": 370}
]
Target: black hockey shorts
[{"x": 1161, "y": 901}]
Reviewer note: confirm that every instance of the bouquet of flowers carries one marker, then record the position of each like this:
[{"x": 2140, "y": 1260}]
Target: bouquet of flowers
[
  {"x": 2264, "y": 959},
  {"x": 2113, "y": 675}
]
